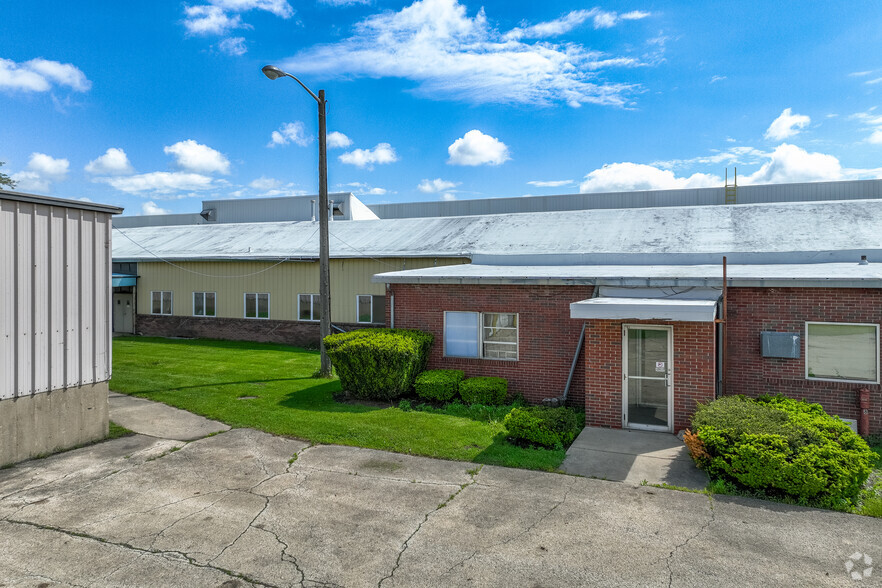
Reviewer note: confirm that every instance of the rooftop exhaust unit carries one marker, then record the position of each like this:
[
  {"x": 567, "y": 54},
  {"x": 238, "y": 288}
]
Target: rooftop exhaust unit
[{"x": 209, "y": 214}]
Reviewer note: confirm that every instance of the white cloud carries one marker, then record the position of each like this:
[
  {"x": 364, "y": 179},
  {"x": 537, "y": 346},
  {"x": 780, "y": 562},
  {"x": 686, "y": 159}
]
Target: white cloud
[
  {"x": 786, "y": 125},
  {"x": 448, "y": 196},
  {"x": 220, "y": 16},
  {"x": 715, "y": 79},
  {"x": 789, "y": 163},
  {"x": 873, "y": 122},
  {"x": 361, "y": 189},
  {"x": 627, "y": 176},
  {"x": 150, "y": 208},
  {"x": 210, "y": 20},
  {"x": 41, "y": 75},
  {"x": 550, "y": 183},
  {"x": 602, "y": 19},
  {"x": 344, "y": 2},
  {"x": 41, "y": 172},
  {"x": 113, "y": 162},
  {"x": 264, "y": 183},
  {"x": 160, "y": 183},
  {"x": 337, "y": 140},
  {"x": 382, "y": 153},
  {"x": 733, "y": 155},
  {"x": 294, "y": 132},
  {"x": 476, "y": 148},
  {"x": 233, "y": 46},
  {"x": 876, "y": 137},
  {"x": 191, "y": 156},
  {"x": 436, "y": 185},
  {"x": 451, "y": 55}
]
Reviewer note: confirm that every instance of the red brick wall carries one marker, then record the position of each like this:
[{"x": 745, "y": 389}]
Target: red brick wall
[
  {"x": 547, "y": 336},
  {"x": 752, "y": 310},
  {"x": 694, "y": 368}
]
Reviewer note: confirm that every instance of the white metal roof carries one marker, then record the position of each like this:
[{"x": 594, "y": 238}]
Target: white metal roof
[
  {"x": 656, "y": 303},
  {"x": 841, "y": 275},
  {"x": 750, "y": 233}
]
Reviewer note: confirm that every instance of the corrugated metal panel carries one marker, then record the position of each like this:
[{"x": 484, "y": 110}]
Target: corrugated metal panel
[
  {"x": 8, "y": 330},
  {"x": 55, "y": 282},
  {"x": 230, "y": 280}
]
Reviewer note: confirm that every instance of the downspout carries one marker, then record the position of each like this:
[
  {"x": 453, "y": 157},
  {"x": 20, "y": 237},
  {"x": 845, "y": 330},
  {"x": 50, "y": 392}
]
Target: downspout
[
  {"x": 562, "y": 400},
  {"x": 723, "y": 347},
  {"x": 391, "y": 310}
]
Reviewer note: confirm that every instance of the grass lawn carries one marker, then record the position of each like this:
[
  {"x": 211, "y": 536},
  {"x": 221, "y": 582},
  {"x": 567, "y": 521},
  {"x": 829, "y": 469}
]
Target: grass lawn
[{"x": 215, "y": 379}]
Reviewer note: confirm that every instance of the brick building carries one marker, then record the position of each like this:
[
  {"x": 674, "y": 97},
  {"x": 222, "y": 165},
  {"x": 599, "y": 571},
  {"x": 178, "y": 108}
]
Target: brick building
[{"x": 802, "y": 313}]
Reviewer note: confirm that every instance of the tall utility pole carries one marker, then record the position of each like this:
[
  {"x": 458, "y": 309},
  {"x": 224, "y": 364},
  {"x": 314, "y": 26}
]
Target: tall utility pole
[{"x": 273, "y": 73}]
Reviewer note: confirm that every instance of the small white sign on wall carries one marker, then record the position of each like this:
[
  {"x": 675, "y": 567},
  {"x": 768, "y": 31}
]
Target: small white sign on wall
[{"x": 659, "y": 366}]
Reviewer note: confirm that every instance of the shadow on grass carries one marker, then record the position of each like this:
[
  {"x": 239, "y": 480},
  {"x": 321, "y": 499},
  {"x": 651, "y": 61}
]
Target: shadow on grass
[
  {"x": 211, "y": 385},
  {"x": 502, "y": 453},
  {"x": 320, "y": 398},
  {"x": 218, "y": 343}
]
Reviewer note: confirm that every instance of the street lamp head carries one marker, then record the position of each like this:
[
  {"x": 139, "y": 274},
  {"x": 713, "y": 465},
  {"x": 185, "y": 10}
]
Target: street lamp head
[{"x": 272, "y": 72}]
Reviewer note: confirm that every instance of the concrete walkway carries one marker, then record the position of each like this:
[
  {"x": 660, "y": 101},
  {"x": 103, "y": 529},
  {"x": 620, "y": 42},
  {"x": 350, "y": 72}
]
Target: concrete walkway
[
  {"x": 160, "y": 420},
  {"x": 244, "y": 508},
  {"x": 632, "y": 457}
]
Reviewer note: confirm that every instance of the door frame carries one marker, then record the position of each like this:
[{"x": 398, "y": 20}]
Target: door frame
[{"x": 670, "y": 377}]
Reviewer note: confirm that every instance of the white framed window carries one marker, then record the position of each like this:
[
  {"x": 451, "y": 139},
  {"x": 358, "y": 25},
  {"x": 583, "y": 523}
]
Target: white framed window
[
  {"x": 842, "y": 352},
  {"x": 370, "y": 309},
  {"x": 204, "y": 303},
  {"x": 257, "y": 305},
  {"x": 487, "y": 335},
  {"x": 161, "y": 302},
  {"x": 309, "y": 307}
]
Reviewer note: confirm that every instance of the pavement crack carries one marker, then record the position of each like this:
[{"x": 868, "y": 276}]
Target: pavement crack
[
  {"x": 473, "y": 475},
  {"x": 167, "y": 554},
  {"x": 669, "y": 560},
  {"x": 245, "y": 530},
  {"x": 535, "y": 523}
]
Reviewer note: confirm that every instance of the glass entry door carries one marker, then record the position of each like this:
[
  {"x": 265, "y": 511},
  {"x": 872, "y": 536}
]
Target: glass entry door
[{"x": 648, "y": 378}]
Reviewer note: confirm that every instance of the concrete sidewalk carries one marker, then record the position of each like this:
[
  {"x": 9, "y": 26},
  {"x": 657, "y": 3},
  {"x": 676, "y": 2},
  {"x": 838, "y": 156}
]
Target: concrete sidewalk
[
  {"x": 244, "y": 508},
  {"x": 633, "y": 456},
  {"x": 160, "y": 420}
]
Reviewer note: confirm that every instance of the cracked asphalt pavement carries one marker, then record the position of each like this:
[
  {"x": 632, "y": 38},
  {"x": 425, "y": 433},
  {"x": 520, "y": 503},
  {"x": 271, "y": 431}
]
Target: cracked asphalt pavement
[{"x": 244, "y": 508}]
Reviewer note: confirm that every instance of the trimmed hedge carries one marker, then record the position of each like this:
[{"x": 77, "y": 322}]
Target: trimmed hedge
[
  {"x": 484, "y": 390},
  {"x": 379, "y": 364},
  {"x": 539, "y": 425},
  {"x": 439, "y": 385},
  {"x": 782, "y": 447}
]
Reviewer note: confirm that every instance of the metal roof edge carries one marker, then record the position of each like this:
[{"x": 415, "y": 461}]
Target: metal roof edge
[
  {"x": 644, "y": 282},
  {"x": 53, "y": 201}
]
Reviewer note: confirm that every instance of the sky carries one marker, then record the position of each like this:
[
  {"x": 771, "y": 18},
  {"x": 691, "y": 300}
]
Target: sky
[{"x": 155, "y": 106}]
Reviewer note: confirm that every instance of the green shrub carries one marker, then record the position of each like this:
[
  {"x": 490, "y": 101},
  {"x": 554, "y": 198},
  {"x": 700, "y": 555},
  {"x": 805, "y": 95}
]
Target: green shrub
[
  {"x": 483, "y": 390},
  {"x": 785, "y": 448},
  {"x": 539, "y": 425},
  {"x": 440, "y": 385},
  {"x": 379, "y": 364}
]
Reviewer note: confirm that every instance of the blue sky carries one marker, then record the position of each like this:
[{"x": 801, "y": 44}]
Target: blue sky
[{"x": 156, "y": 106}]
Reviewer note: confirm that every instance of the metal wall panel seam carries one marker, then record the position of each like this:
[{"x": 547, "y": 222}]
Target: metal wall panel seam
[{"x": 15, "y": 297}]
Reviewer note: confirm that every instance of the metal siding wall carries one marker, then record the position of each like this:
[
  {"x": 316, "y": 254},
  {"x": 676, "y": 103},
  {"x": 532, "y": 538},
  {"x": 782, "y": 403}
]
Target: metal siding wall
[
  {"x": 284, "y": 282},
  {"x": 57, "y": 330},
  {"x": 9, "y": 306},
  {"x": 24, "y": 303},
  {"x": 50, "y": 264}
]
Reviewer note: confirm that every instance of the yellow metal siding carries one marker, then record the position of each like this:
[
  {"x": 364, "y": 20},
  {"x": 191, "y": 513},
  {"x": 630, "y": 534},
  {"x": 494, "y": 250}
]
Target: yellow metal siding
[{"x": 284, "y": 282}]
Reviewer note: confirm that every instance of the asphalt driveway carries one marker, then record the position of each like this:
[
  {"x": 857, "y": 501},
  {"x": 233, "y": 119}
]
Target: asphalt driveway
[{"x": 245, "y": 508}]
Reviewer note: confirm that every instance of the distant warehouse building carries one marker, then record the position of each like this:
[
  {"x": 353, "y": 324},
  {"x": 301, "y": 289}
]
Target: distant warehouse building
[{"x": 55, "y": 353}]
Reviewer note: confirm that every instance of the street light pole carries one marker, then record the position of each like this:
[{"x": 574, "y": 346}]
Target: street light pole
[{"x": 273, "y": 73}]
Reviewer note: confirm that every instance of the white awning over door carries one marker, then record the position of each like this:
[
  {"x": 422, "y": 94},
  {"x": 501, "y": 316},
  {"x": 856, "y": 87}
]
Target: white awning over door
[{"x": 662, "y": 304}]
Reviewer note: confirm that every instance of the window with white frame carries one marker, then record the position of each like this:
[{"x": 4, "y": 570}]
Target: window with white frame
[
  {"x": 370, "y": 309},
  {"x": 488, "y": 335},
  {"x": 309, "y": 307},
  {"x": 257, "y": 305},
  {"x": 161, "y": 302},
  {"x": 203, "y": 303},
  {"x": 846, "y": 352}
]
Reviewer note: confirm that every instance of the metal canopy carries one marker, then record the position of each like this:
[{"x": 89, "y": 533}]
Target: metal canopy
[{"x": 662, "y": 304}]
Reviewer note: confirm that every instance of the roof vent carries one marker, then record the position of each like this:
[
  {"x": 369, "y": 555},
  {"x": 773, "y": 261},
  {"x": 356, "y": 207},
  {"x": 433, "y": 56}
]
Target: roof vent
[
  {"x": 209, "y": 214},
  {"x": 864, "y": 260}
]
